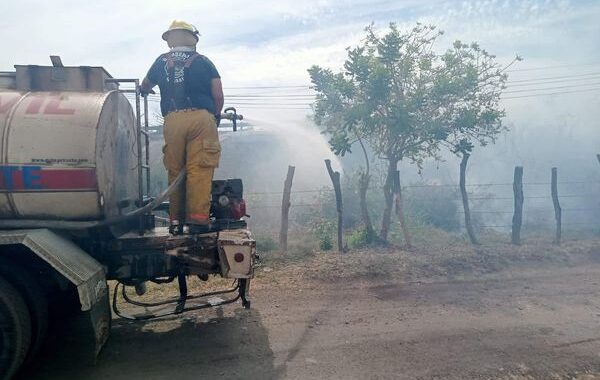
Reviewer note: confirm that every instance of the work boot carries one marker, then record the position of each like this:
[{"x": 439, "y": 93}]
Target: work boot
[{"x": 175, "y": 228}]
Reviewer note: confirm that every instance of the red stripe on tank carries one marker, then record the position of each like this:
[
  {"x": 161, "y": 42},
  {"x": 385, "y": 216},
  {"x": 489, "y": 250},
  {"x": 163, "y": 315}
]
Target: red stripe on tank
[
  {"x": 69, "y": 179},
  {"x": 27, "y": 178}
]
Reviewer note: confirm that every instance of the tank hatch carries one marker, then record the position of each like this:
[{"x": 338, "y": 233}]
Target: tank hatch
[{"x": 62, "y": 78}]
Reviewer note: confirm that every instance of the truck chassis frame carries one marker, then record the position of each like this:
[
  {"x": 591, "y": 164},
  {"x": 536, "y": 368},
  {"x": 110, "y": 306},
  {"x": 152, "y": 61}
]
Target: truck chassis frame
[{"x": 240, "y": 286}]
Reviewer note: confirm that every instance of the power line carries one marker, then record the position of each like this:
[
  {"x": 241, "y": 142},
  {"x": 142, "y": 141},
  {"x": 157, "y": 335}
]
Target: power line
[
  {"x": 595, "y": 77},
  {"x": 503, "y": 184},
  {"x": 526, "y": 211},
  {"x": 530, "y": 225},
  {"x": 532, "y": 92},
  {"x": 254, "y": 102},
  {"x": 308, "y": 87},
  {"x": 329, "y": 189},
  {"x": 550, "y": 93},
  {"x": 271, "y": 102},
  {"x": 276, "y": 108},
  {"x": 553, "y": 67},
  {"x": 524, "y": 82},
  {"x": 566, "y": 77},
  {"x": 510, "y": 83},
  {"x": 553, "y": 88},
  {"x": 532, "y": 197},
  {"x": 264, "y": 87},
  {"x": 269, "y": 96}
]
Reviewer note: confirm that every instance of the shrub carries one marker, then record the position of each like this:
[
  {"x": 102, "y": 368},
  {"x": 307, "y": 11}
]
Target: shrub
[
  {"x": 436, "y": 206},
  {"x": 358, "y": 238},
  {"x": 265, "y": 244},
  {"x": 326, "y": 244},
  {"x": 300, "y": 249},
  {"x": 323, "y": 231}
]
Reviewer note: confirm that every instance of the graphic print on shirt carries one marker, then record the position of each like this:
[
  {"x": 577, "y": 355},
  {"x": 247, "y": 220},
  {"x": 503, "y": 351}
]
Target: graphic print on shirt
[{"x": 179, "y": 59}]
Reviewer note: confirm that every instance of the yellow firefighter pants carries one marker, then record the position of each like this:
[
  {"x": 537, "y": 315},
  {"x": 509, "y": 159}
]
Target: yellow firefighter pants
[{"x": 191, "y": 142}]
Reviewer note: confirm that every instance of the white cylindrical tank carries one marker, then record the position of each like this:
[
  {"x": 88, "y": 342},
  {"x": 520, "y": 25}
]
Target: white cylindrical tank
[{"x": 67, "y": 155}]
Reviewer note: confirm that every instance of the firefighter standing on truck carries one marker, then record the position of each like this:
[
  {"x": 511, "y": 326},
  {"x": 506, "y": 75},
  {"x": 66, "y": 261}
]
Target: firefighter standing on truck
[{"x": 191, "y": 103}]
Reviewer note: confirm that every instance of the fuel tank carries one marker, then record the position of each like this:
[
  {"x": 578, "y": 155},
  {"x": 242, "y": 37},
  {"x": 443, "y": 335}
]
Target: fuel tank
[{"x": 66, "y": 155}]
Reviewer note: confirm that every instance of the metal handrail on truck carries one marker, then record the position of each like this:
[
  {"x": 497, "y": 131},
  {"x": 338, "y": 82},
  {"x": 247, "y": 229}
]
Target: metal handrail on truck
[{"x": 143, "y": 165}]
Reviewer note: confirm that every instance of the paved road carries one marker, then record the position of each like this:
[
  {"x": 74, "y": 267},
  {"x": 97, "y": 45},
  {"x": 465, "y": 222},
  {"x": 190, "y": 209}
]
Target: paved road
[{"x": 536, "y": 323}]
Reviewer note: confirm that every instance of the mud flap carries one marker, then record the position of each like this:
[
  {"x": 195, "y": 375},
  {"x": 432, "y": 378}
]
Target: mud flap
[
  {"x": 76, "y": 265},
  {"x": 84, "y": 335},
  {"x": 79, "y": 268},
  {"x": 99, "y": 318}
]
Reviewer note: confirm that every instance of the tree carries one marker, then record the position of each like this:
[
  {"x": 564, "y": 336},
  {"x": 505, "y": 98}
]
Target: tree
[
  {"x": 405, "y": 101},
  {"x": 336, "y": 94},
  {"x": 383, "y": 93},
  {"x": 468, "y": 85}
]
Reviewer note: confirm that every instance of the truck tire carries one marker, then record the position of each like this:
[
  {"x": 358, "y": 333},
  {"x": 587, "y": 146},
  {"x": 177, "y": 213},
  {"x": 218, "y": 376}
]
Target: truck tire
[
  {"x": 15, "y": 330},
  {"x": 35, "y": 299}
]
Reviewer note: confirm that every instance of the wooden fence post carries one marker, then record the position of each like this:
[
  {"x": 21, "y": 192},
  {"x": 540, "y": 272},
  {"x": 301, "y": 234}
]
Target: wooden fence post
[
  {"x": 335, "y": 179},
  {"x": 465, "y": 199},
  {"x": 517, "y": 220},
  {"x": 397, "y": 190},
  {"x": 557, "y": 209},
  {"x": 285, "y": 208}
]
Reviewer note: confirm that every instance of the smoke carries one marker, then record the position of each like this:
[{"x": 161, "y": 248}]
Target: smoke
[
  {"x": 260, "y": 155},
  {"x": 545, "y": 131}
]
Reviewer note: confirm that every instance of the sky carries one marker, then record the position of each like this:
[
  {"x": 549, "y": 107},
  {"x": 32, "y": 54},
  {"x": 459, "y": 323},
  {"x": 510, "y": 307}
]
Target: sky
[
  {"x": 274, "y": 42},
  {"x": 271, "y": 44}
]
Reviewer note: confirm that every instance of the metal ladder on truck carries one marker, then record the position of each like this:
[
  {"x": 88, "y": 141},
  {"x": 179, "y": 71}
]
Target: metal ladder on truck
[{"x": 143, "y": 153}]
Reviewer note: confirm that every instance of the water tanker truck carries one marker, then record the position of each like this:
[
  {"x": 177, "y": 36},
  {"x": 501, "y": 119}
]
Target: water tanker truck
[{"x": 76, "y": 215}]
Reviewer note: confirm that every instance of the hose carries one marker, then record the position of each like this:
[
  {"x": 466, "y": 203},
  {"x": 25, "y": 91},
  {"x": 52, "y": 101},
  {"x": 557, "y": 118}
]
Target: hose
[{"x": 82, "y": 225}]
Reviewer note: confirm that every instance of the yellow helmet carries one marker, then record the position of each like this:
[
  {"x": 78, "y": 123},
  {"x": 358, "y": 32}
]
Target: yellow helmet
[{"x": 181, "y": 25}]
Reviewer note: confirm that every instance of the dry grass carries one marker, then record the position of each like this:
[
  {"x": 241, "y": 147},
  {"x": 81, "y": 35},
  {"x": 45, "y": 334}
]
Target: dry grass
[
  {"x": 437, "y": 255},
  {"x": 440, "y": 256}
]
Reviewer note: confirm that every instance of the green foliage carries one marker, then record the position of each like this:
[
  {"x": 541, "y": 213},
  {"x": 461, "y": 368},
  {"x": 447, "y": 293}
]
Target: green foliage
[
  {"x": 469, "y": 84},
  {"x": 323, "y": 232},
  {"x": 359, "y": 238},
  {"x": 427, "y": 206},
  {"x": 405, "y": 102},
  {"x": 300, "y": 249},
  {"x": 326, "y": 209},
  {"x": 382, "y": 95},
  {"x": 325, "y": 243},
  {"x": 435, "y": 206},
  {"x": 265, "y": 244}
]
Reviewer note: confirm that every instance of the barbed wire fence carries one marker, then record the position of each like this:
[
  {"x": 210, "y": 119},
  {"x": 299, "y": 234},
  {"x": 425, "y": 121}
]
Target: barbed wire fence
[{"x": 491, "y": 203}]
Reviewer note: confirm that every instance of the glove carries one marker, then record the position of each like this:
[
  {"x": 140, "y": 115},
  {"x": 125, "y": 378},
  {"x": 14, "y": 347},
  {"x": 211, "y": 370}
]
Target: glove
[{"x": 218, "y": 119}]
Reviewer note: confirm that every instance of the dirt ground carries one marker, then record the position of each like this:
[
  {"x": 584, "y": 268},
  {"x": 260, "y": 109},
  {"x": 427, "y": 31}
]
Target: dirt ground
[{"x": 531, "y": 320}]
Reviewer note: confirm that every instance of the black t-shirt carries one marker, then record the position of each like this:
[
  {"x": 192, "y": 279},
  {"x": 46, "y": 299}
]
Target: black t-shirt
[{"x": 191, "y": 88}]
